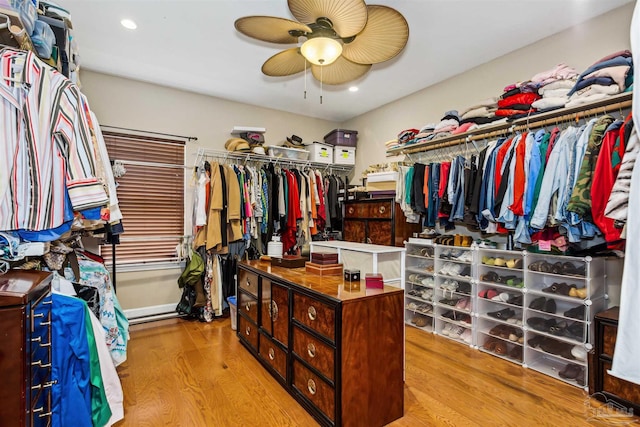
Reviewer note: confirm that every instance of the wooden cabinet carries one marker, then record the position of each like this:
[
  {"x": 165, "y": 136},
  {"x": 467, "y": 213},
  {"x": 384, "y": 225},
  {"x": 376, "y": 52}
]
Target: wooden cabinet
[
  {"x": 25, "y": 350},
  {"x": 603, "y": 386},
  {"x": 338, "y": 352},
  {"x": 377, "y": 221}
]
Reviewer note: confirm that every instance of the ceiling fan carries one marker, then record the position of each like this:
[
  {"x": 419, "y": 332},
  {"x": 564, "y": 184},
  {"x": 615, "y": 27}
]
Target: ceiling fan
[{"x": 342, "y": 38}]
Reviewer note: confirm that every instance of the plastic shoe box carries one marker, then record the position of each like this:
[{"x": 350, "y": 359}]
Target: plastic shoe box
[
  {"x": 348, "y": 138},
  {"x": 288, "y": 153}
]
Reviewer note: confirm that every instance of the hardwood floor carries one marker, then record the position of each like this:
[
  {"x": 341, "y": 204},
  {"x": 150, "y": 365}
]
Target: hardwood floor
[{"x": 192, "y": 374}]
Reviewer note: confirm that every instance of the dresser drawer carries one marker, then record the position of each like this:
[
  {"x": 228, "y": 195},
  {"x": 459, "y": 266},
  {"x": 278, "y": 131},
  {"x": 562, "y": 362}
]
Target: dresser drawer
[
  {"x": 315, "y": 314},
  {"x": 249, "y": 332},
  {"x": 380, "y": 210},
  {"x": 275, "y": 310},
  {"x": 356, "y": 210},
  {"x": 621, "y": 388},
  {"x": 314, "y": 352},
  {"x": 248, "y": 281},
  {"x": 609, "y": 339},
  {"x": 273, "y": 355},
  {"x": 248, "y": 305},
  {"x": 321, "y": 394}
]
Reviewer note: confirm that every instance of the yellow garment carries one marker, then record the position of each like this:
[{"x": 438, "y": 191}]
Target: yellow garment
[
  {"x": 234, "y": 206},
  {"x": 211, "y": 234}
]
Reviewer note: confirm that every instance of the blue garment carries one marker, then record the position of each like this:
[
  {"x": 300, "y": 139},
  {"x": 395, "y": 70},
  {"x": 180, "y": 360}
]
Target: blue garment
[
  {"x": 92, "y": 214},
  {"x": 52, "y": 233},
  {"x": 487, "y": 193},
  {"x": 70, "y": 364},
  {"x": 613, "y": 62},
  {"x": 578, "y": 155},
  {"x": 456, "y": 194},
  {"x": 535, "y": 163},
  {"x": 602, "y": 81},
  {"x": 555, "y": 177}
]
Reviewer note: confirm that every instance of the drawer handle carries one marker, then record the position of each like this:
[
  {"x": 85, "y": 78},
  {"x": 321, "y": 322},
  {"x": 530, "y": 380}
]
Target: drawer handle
[
  {"x": 312, "y": 313},
  {"x": 47, "y": 302},
  {"x": 247, "y": 307},
  {"x": 382, "y": 209},
  {"x": 272, "y": 353},
  {"x": 311, "y": 350},
  {"x": 38, "y": 315},
  {"x": 248, "y": 282},
  {"x": 311, "y": 385},
  {"x": 351, "y": 210},
  {"x": 36, "y": 339},
  {"x": 45, "y": 414},
  {"x": 248, "y": 330},
  {"x": 274, "y": 310},
  {"x": 45, "y": 323}
]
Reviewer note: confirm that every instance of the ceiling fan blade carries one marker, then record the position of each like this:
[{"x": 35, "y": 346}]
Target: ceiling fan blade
[
  {"x": 270, "y": 28},
  {"x": 384, "y": 36},
  {"x": 347, "y": 16},
  {"x": 340, "y": 71},
  {"x": 284, "y": 63}
]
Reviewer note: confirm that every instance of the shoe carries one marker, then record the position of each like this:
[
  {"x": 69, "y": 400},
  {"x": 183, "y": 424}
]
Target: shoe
[
  {"x": 456, "y": 331},
  {"x": 490, "y": 344},
  {"x": 516, "y": 299},
  {"x": 467, "y": 336},
  {"x": 541, "y": 324},
  {"x": 467, "y": 256},
  {"x": 550, "y": 306},
  {"x": 574, "y": 331},
  {"x": 515, "y": 334},
  {"x": 559, "y": 288},
  {"x": 502, "y": 297},
  {"x": 556, "y": 268},
  {"x": 488, "y": 293},
  {"x": 499, "y": 331},
  {"x": 500, "y": 262},
  {"x": 490, "y": 276},
  {"x": 462, "y": 303},
  {"x": 541, "y": 266},
  {"x": 579, "y": 353},
  {"x": 516, "y": 353},
  {"x": 571, "y": 371},
  {"x": 420, "y": 321},
  {"x": 464, "y": 287},
  {"x": 504, "y": 314},
  {"x": 576, "y": 312},
  {"x": 500, "y": 348},
  {"x": 538, "y": 303},
  {"x": 536, "y": 341}
]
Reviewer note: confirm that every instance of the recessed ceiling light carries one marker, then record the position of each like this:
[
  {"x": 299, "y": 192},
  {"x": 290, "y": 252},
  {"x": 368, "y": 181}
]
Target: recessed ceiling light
[
  {"x": 129, "y": 24},
  {"x": 353, "y": 89}
]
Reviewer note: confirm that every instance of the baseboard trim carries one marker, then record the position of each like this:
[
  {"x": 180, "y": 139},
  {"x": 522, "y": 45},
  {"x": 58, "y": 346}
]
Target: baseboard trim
[{"x": 154, "y": 312}]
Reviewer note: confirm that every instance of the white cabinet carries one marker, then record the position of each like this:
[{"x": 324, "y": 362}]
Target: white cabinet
[{"x": 420, "y": 282}]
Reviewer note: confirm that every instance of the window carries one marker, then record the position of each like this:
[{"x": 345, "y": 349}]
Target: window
[{"x": 151, "y": 196}]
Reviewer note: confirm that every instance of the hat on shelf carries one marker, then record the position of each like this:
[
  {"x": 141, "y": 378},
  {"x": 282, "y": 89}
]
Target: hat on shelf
[
  {"x": 452, "y": 114},
  {"x": 253, "y": 138},
  {"x": 258, "y": 149},
  {"x": 237, "y": 144},
  {"x": 294, "y": 141}
]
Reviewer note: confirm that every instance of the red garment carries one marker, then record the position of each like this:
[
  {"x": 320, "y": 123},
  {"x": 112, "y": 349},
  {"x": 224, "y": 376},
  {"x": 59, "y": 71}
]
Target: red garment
[
  {"x": 519, "y": 178},
  {"x": 552, "y": 141},
  {"x": 602, "y": 183},
  {"x": 445, "y": 167},
  {"x": 527, "y": 98},
  {"x": 425, "y": 187},
  {"x": 293, "y": 213},
  {"x": 505, "y": 112}
]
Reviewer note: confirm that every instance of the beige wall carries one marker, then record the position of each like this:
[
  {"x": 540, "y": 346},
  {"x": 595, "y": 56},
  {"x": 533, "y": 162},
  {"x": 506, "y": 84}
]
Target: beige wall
[
  {"x": 579, "y": 47},
  {"x": 132, "y": 104}
]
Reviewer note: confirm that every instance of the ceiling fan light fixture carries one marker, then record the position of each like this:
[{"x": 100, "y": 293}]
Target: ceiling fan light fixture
[{"x": 321, "y": 50}]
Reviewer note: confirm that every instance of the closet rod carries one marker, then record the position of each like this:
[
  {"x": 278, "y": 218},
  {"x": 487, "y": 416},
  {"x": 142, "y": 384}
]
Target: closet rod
[{"x": 188, "y": 138}]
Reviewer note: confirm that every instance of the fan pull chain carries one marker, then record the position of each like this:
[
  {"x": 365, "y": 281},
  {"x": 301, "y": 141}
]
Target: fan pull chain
[
  {"x": 305, "y": 79},
  {"x": 321, "y": 67}
]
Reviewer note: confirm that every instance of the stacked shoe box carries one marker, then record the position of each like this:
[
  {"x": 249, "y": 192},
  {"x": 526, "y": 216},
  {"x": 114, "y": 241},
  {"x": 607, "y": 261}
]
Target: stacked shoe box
[{"x": 535, "y": 310}]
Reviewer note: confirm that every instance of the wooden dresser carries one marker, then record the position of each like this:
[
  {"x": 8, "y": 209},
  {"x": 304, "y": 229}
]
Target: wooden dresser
[
  {"x": 602, "y": 385},
  {"x": 336, "y": 347},
  {"x": 25, "y": 350},
  {"x": 377, "y": 221}
]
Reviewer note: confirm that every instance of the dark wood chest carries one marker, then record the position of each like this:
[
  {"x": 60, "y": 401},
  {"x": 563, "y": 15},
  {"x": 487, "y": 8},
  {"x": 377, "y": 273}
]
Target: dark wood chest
[{"x": 376, "y": 221}]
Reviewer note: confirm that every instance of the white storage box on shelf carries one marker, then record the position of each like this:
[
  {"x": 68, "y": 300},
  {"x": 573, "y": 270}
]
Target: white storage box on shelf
[
  {"x": 500, "y": 297},
  {"x": 381, "y": 181},
  {"x": 454, "y": 293},
  {"x": 288, "y": 153},
  {"x": 321, "y": 153},
  {"x": 344, "y": 155}
]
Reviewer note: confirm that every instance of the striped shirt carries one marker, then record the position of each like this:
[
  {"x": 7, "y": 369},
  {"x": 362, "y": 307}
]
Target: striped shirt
[{"x": 47, "y": 151}]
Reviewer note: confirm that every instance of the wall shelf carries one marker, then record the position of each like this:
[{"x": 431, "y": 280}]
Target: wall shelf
[{"x": 611, "y": 104}]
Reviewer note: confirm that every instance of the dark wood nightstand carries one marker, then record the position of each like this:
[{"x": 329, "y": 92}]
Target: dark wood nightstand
[{"x": 603, "y": 386}]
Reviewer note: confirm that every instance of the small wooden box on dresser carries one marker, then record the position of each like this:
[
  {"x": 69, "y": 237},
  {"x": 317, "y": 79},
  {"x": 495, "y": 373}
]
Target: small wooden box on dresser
[
  {"x": 602, "y": 385},
  {"x": 377, "y": 221},
  {"x": 25, "y": 350},
  {"x": 336, "y": 347}
]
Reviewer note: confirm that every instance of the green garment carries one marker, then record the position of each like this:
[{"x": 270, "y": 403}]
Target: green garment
[
  {"x": 100, "y": 410},
  {"x": 543, "y": 162},
  {"x": 580, "y": 201}
]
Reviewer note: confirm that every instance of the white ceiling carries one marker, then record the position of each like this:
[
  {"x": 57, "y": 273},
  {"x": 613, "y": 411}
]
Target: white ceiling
[{"x": 193, "y": 45}]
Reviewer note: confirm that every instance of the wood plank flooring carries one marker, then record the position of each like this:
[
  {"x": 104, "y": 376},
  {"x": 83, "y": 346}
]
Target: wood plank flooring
[{"x": 192, "y": 374}]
